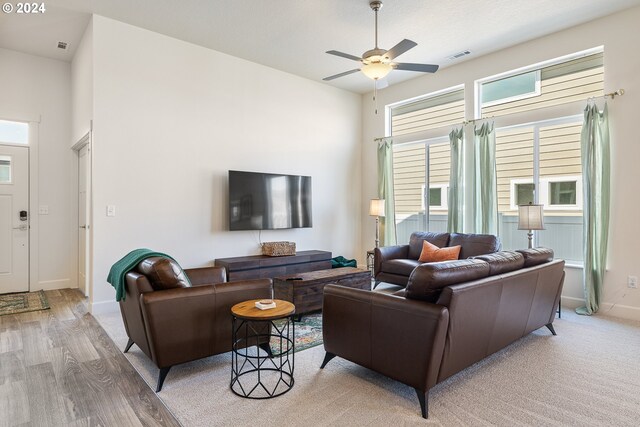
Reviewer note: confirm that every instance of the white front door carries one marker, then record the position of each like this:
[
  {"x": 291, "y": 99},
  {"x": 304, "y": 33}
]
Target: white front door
[
  {"x": 83, "y": 216},
  {"x": 14, "y": 219}
]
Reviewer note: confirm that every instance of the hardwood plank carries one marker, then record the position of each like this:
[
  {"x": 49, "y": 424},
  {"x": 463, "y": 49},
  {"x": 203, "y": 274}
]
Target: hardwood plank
[
  {"x": 10, "y": 340},
  {"x": 14, "y": 403},
  {"x": 45, "y": 403},
  {"x": 36, "y": 344},
  {"x": 11, "y": 367}
]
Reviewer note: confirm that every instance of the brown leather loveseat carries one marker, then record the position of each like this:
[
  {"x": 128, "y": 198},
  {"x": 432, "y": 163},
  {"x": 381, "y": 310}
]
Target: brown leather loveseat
[
  {"x": 450, "y": 316},
  {"x": 174, "y": 320},
  {"x": 394, "y": 264}
]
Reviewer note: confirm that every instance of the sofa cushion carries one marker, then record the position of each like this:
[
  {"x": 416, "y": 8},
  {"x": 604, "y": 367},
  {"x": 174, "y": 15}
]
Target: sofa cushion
[
  {"x": 502, "y": 262},
  {"x": 403, "y": 267},
  {"x": 535, "y": 256},
  {"x": 417, "y": 237},
  {"x": 432, "y": 253},
  {"x": 163, "y": 273},
  {"x": 427, "y": 280},
  {"x": 474, "y": 244}
]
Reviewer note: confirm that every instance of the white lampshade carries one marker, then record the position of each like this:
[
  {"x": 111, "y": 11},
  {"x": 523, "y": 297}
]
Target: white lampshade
[
  {"x": 530, "y": 217},
  {"x": 376, "y": 207},
  {"x": 376, "y": 70}
]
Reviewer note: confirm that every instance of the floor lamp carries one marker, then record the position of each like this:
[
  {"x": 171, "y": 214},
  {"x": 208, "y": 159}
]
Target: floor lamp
[
  {"x": 530, "y": 217},
  {"x": 376, "y": 208}
]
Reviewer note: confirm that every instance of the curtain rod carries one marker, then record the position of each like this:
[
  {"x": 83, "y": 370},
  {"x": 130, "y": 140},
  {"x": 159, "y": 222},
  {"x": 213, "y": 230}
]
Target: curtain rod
[{"x": 611, "y": 95}]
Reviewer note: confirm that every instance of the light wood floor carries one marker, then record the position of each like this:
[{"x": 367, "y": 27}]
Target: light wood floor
[{"x": 58, "y": 367}]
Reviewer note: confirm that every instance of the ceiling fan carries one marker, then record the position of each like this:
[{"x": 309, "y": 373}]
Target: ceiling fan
[{"x": 377, "y": 63}]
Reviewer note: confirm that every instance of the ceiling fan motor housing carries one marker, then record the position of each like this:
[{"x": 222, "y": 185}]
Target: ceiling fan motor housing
[
  {"x": 374, "y": 55},
  {"x": 375, "y": 5}
]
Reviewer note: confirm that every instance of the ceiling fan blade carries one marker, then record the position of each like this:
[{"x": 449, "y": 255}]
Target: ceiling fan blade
[
  {"x": 381, "y": 83},
  {"x": 346, "y": 73},
  {"x": 344, "y": 55},
  {"x": 400, "y": 48},
  {"x": 425, "y": 68}
]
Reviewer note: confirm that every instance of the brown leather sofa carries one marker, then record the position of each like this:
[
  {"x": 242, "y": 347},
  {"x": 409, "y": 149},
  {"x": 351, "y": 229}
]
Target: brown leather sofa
[
  {"x": 394, "y": 264},
  {"x": 450, "y": 316},
  {"x": 174, "y": 320}
]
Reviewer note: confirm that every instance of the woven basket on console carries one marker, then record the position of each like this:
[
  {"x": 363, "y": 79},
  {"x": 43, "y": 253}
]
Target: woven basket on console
[{"x": 278, "y": 248}]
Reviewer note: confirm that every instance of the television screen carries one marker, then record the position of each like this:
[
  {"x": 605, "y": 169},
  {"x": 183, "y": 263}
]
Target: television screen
[{"x": 265, "y": 201}]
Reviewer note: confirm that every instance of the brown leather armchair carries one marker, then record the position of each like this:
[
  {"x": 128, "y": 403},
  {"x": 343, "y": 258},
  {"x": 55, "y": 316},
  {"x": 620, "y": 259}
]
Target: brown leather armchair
[{"x": 174, "y": 320}]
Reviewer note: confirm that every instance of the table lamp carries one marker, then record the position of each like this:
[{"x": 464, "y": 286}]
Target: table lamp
[
  {"x": 530, "y": 217},
  {"x": 376, "y": 208}
]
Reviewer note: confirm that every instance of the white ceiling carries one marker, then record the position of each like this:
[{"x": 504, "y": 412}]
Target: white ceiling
[{"x": 293, "y": 35}]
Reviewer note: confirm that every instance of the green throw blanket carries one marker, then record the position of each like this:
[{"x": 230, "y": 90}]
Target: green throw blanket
[
  {"x": 341, "y": 261},
  {"x": 120, "y": 269}
]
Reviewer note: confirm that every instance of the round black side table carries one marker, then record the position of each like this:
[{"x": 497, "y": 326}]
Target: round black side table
[{"x": 263, "y": 349}]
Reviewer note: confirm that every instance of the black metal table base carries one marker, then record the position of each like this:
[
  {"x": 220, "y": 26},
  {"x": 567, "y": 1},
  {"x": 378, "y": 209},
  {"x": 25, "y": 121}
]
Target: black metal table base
[{"x": 254, "y": 373}]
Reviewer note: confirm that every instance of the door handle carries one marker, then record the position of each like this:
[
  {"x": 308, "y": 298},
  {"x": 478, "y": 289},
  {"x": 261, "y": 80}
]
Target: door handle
[
  {"x": 83, "y": 226},
  {"x": 21, "y": 228}
]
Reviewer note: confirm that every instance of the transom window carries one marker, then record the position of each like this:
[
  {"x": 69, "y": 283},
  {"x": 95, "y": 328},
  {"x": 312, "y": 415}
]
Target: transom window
[{"x": 14, "y": 132}]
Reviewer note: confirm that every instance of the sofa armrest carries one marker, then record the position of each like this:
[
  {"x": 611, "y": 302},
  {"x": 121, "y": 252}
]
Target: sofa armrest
[
  {"x": 400, "y": 338},
  {"x": 206, "y": 275},
  {"x": 179, "y": 323},
  {"x": 387, "y": 253}
]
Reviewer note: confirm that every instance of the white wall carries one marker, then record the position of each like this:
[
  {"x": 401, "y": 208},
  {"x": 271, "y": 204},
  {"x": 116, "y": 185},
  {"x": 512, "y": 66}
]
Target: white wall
[
  {"x": 171, "y": 118},
  {"x": 82, "y": 86},
  {"x": 38, "y": 89},
  {"x": 622, "y": 68}
]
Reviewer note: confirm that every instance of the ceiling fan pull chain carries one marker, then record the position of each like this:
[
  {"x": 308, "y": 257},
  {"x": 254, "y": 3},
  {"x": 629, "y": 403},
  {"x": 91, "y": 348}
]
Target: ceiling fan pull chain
[{"x": 375, "y": 95}]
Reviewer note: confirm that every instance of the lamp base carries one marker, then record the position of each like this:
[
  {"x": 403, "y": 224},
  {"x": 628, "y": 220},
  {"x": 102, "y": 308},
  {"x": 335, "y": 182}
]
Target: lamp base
[{"x": 530, "y": 236}]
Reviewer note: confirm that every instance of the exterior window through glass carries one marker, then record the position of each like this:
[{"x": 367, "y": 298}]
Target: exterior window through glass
[
  {"x": 524, "y": 193},
  {"x": 14, "y": 132},
  {"x": 5, "y": 170},
  {"x": 562, "y": 193},
  {"x": 435, "y": 197},
  {"x": 512, "y": 87}
]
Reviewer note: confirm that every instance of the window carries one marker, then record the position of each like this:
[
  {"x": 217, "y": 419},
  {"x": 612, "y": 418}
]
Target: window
[
  {"x": 5, "y": 170},
  {"x": 556, "y": 192},
  {"x": 562, "y": 193},
  {"x": 513, "y": 88},
  {"x": 558, "y": 83},
  {"x": 542, "y": 158},
  {"x": 424, "y": 164},
  {"x": 523, "y": 193},
  {"x": 428, "y": 112},
  {"x": 14, "y": 132},
  {"x": 437, "y": 197}
]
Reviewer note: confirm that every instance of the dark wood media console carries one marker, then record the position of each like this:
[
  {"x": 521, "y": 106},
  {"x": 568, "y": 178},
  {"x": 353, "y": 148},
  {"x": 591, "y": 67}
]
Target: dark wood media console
[{"x": 268, "y": 267}]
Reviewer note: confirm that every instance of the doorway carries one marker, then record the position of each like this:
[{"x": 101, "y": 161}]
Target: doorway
[
  {"x": 83, "y": 150},
  {"x": 14, "y": 219}
]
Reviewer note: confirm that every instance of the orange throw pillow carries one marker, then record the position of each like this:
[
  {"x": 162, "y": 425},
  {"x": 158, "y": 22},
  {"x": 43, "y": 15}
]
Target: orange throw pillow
[{"x": 432, "y": 253}]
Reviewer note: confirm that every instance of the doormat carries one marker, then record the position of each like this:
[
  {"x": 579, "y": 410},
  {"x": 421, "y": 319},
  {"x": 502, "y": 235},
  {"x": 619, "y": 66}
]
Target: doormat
[
  {"x": 308, "y": 332},
  {"x": 23, "y": 302}
]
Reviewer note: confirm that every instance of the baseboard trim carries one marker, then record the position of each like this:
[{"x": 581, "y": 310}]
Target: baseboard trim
[
  {"x": 50, "y": 285},
  {"x": 102, "y": 307},
  {"x": 606, "y": 308}
]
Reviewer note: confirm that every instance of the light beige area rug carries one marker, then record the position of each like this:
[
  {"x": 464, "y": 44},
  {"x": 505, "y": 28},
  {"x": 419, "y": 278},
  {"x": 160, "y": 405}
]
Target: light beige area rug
[{"x": 588, "y": 375}]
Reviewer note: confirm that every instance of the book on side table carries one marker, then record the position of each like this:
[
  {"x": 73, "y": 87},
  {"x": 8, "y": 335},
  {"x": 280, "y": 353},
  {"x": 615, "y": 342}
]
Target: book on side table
[{"x": 265, "y": 304}]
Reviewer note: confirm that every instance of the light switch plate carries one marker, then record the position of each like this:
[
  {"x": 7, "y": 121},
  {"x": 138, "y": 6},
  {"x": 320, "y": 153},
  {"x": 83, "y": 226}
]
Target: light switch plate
[
  {"x": 111, "y": 210},
  {"x": 43, "y": 210}
]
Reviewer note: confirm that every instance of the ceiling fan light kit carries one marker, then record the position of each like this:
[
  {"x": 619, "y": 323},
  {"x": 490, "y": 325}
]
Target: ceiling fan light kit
[{"x": 378, "y": 63}]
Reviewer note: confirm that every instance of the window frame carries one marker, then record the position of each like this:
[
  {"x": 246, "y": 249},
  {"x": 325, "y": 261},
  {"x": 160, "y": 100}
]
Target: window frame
[
  {"x": 444, "y": 197},
  {"x": 543, "y": 190}
]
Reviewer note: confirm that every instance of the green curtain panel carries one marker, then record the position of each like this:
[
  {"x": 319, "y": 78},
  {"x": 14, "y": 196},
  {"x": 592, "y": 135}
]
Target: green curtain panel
[
  {"x": 594, "y": 142},
  {"x": 455, "y": 213},
  {"x": 485, "y": 202},
  {"x": 385, "y": 191}
]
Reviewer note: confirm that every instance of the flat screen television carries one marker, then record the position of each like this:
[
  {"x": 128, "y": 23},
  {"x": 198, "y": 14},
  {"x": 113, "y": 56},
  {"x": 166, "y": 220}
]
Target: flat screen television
[{"x": 268, "y": 201}]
